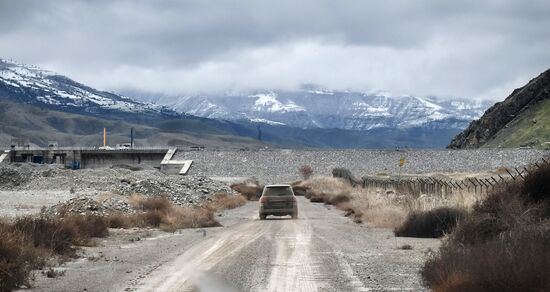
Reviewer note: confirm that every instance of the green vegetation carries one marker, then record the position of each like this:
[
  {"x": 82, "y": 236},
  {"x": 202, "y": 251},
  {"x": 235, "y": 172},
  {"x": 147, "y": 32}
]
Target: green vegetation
[{"x": 530, "y": 128}]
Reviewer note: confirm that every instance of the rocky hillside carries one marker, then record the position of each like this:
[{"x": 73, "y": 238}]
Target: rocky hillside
[{"x": 520, "y": 120}]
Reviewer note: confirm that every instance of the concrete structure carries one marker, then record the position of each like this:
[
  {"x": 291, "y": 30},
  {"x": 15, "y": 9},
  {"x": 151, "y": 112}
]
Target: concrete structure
[
  {"x": 4, "y": 155},
  {"x": 89, "y": 157},
  {"x": 170, "y": 166}
]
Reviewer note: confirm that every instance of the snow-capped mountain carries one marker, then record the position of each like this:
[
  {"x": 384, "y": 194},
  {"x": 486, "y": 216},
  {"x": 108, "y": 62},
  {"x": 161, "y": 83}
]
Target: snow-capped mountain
[
  {"x": 304, "y": 118},
  {"x": 331, "y": 109},
  {"x": 33, "y": 85}
]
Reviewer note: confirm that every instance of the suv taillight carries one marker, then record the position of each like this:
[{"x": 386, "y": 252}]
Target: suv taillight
[
  {"x": 292, "y": 199},
  {"x": 263, "y": 200}
]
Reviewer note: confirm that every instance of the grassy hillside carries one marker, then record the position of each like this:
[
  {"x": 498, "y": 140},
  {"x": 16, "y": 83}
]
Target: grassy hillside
[
  {"x": 39, "y": 125},
  {"x": 530, "y": 128},
  {"x": 519, "y": 120}
]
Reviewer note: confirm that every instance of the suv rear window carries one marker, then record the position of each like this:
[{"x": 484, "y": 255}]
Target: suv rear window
[{"x": 278, "y": 191}]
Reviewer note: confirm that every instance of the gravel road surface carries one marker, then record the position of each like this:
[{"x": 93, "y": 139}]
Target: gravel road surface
[{"x": 321, "y": 251}]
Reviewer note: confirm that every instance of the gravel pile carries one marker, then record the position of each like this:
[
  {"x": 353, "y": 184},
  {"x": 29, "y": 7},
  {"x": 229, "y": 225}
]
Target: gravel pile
[
  {"x": 90, "y": 206},
  {"x": 273, "y": 166},
  {"x": 11, "y": 178},
  {"x": 182, "y": 190}
]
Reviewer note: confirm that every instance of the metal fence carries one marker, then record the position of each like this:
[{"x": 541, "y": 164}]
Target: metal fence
[{"x": 444, "y": 186}]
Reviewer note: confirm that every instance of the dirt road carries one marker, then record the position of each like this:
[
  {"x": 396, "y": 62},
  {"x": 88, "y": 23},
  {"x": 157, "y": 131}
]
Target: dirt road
[{"x": 321, "y": 251}]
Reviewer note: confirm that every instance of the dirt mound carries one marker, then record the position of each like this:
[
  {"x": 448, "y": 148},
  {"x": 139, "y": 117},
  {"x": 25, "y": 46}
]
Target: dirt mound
[{"x": 90, "y": 206}]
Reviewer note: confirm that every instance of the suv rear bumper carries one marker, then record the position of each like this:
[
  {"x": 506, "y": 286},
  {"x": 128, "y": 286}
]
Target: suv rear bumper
[{"x": 280, "y": 212}]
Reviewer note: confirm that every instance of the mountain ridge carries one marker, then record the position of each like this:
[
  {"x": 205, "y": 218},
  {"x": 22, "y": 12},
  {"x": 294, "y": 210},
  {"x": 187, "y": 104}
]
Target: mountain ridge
[
  {"x": 326, "y": 109},
  {"x": 31, "y": 86},
  {"x": 502, "y": 115}
]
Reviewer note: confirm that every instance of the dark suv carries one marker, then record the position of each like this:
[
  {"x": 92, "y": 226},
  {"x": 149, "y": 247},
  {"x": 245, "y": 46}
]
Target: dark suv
[{"x": 278, "y": 200}]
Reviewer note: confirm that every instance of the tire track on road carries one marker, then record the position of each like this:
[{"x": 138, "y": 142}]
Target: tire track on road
[{"x": 178, "y": 274}]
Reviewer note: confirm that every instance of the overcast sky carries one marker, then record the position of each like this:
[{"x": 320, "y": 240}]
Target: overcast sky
[{"x": 473, "y": 49}]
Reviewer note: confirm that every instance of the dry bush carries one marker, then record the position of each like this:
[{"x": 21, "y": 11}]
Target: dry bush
[
  {"x": 380, "y": 208},
  {"x": 346, "y": 175},
  {"x": 225, "y": 201},
  {"x": 149, "y": 219},
  {"x": 298, "y": 188},
  {"x": 48, "y": 233},
  {"x": 430, "y": 224},
  {"x": 317, "y": 199},
  {"x": 536, "y": 188},
  {"x": 18, "y": 257},
  {"x": 377, "y": 209},
  {"x": 338, "y": 199},
  {"x": 159, "y": 212},
  {"x": 187, "y": 217},
  {"x": 27, "y": 242},
  {"x": 515, "y": 261},
  {"x": 323, "y": 189},
  {"x": 150, "y": 203},
  {"x": 502, "y": 245},
  {"x": 118, "y": 220},
  {"x": 521, "y": 203},
  {"x": 251, "y": 192},
  {"x": 306, "y": 171}
]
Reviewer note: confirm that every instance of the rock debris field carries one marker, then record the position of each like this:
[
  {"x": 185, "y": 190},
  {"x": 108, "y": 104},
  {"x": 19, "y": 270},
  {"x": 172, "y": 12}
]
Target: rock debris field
[
  {"x": 25, "y": 186},
  {"x": 282, "y": 165}
]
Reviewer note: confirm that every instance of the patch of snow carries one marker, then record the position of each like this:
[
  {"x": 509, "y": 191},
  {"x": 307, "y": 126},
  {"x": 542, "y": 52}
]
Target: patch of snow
[
  {"x": 264, "y": 121},
  {"x": 269, "y": 102}
]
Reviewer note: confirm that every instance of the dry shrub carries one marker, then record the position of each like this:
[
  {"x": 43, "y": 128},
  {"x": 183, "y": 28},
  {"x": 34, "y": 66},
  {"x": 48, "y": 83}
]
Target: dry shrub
[
  {"x": 187, "y": 217},
  {"x": 338, "y": 199},
  {"x": 377, "y": 209},
  {"x": 118, "y": 220},
  {"x": 536, "y": 188},
  {"x": 515, "y": 261},
  {"x": 48, "y": 233},
  {"x": 324, "y": 189},
  {"x": 306, "y": 171},
  {"x": 430, "y": 224},
  {"x": 149, "y": 219},
  {"x": 317, "y": 199},
  {"x": 150, "y": 203},
  {"x": 522, "y": 203},
  {"x": 18, "y": 257},
  {"x": 346, "y": 175},
  {"x": 159, "y": 212},
  {"x": 225, "y": 201},
  {"x": 380, "y": 208},
  {"x": 27, "y": 242},
  {"x": 502, "y": 245},
  {"x": 299, "y": 189},
  {"x": 250, "y": 191}
]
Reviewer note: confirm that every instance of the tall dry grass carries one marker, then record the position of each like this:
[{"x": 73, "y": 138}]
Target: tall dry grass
[
  {"x": 160, "y": 212},
  {"x": 226, "y": 201},
  {"x": 378, "y": 207},
  {"x": 27, "y": 243}
]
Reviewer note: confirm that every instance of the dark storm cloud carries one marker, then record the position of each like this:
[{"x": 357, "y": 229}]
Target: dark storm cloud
[{"x": 450, "y": 48}]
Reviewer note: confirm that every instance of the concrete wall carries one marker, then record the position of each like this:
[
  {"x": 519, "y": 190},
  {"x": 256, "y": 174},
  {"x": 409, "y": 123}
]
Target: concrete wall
[
  {"x": 89, "y": 158},
  {"x": 107, "y": 159}
]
